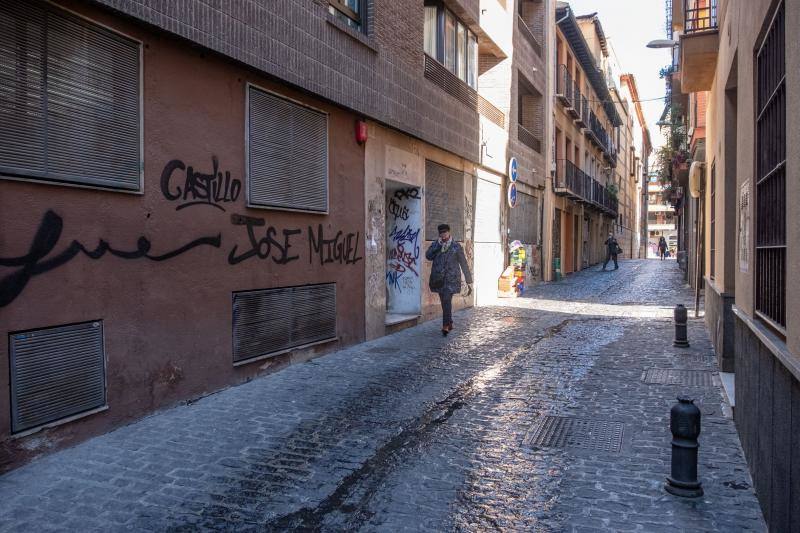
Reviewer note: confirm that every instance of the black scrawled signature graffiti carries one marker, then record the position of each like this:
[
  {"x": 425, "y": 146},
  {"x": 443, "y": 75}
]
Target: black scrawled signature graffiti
[{"x": 47, "y": 236}]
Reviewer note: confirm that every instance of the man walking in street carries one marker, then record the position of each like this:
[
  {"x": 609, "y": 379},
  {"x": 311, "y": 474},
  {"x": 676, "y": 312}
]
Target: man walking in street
[
  {"x": 449, "y": 262},
  {"x": 662, "y": 247},
  {"x": 612, "y": 251}
]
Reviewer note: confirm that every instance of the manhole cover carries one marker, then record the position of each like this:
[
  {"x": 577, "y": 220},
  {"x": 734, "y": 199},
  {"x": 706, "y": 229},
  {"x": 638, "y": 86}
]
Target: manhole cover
[
  {"x": 513, "y": 319},
  {"x": 674, "y": 376},
  {"x": 694, "y": 358},
  {"x": 382, "y": 349},
  {"x": 566, "y": 432}
]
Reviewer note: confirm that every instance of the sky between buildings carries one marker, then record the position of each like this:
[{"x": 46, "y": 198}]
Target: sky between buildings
[{"x": 629, "y": 25}]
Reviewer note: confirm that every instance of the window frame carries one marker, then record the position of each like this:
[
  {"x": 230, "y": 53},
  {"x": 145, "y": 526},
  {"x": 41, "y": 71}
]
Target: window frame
[
  {"x": 358, "y": 18},
  {"x": 250, "y": 85},
  {"x": 759, "y": 111},
  {"x": 712, "y": 248},
  {"x": 441, "y": 42},
  {"x": 36, "y": 177}
]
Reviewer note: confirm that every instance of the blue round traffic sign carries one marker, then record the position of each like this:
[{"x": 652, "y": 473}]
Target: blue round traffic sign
[
  {"x": 512, "y": 195},
  {"x": 512, "y": 169}
]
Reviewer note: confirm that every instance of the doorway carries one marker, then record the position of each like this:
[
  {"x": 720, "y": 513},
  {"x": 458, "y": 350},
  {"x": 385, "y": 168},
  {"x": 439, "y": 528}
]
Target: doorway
[
  {"x": 489, "y": 256},
  {"x": 403, "y": 252}
]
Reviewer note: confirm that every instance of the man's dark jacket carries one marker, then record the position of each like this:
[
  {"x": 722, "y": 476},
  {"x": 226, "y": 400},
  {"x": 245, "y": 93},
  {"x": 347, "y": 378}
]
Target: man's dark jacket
[
  {"x": 613, "y": 246},
  {"x": 450, "y": 263}
]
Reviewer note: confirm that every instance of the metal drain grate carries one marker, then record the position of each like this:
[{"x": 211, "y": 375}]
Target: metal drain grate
[
  {"x": 566, "y": 432},
  {"x": 674, "y": 376},
  {"x": 695, "y": 358}
]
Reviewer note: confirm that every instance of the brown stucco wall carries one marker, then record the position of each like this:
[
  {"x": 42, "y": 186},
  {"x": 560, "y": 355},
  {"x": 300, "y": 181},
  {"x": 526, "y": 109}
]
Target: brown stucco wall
[{"x": 168, "y": 324}]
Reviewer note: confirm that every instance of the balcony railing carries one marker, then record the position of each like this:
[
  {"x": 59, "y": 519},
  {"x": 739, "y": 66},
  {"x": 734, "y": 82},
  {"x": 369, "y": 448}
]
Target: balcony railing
[
  {"x": 700, "y": 15},
  {"x": 565, "y": 87},
  {"x": 576, "y": 184},
  {"x": 575, "y": 110},
  {"x": 583, "y": 119},
  {"x": 598, "y": 134},
  {"x": 526, "y": 32},
  {"x": 527, "y": 138}
]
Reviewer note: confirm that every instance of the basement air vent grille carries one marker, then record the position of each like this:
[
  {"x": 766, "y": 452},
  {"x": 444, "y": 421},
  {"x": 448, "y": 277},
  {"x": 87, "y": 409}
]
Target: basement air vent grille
[
  {"x": 270, "y": 321},
  {"x": 56, "y": 373}
]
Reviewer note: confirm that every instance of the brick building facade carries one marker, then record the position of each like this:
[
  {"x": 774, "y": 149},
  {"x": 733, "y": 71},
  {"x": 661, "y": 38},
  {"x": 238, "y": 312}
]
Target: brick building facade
[{"x": 197, "y": 193}]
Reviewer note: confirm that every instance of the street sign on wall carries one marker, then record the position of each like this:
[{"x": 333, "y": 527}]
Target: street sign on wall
[
  {"x": 512, "y": 169},
  {"x": 512, "y": 195}
]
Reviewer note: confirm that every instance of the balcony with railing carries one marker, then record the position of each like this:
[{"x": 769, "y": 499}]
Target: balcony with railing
[
  {"x": 527, "y": 138},
  {"x": 565, "y": 87},
  {"x": 575, "y": 184},
  {"x": 575, "y": 110},
  {"x": 583, "y": 118},
  {"x": 699, "y": 45}
]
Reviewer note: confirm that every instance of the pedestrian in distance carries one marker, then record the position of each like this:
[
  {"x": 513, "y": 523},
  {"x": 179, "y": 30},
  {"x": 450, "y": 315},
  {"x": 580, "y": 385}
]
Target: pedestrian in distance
[
  {"x": 662, "y": 248},
  {"x": 449, "y": 262},
  {"x": 612, "y": 251}
]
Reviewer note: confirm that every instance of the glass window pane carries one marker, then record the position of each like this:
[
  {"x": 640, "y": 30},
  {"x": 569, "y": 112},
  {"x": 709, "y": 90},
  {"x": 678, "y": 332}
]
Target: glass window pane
[
  {"x": 472, "y": 68},
  {"x": 430, "y": 31},
  {"x": 450, "y": 42},
  {"x": 461, "y": 52},
  {"x": 355, "y": 5}
]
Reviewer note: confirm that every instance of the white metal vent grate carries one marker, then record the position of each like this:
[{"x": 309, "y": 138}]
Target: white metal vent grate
[
  {"x": 270, "y": 321},
  {"x": 56, "y": 373}
]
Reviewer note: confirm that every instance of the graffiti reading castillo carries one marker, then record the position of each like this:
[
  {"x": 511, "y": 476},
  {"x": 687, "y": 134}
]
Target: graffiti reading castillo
[{"x": 199, "y": 189}]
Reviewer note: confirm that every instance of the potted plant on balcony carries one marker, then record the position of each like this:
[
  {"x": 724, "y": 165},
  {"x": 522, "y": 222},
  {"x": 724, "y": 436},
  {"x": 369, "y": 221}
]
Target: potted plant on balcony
[{"x": 681, "y": 159}]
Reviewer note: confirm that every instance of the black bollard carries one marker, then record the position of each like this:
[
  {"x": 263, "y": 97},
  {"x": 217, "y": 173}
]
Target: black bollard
[
  {"x": 681, "y": 320},
  {"x": 684, "y": 422}
]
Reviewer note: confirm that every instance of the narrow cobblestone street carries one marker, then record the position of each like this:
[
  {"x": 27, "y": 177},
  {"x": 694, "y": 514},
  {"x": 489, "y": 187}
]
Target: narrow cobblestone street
[{"x": 418, "y": 432}]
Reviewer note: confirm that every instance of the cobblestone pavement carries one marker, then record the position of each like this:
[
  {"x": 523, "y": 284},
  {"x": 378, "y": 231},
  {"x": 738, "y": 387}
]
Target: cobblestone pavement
[{"x": 417, "y": 432}]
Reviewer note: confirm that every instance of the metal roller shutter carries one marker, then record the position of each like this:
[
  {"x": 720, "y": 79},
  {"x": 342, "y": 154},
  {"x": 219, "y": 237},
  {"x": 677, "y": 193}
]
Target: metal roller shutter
[
  {"x": 69, "y": 99},
  {"x": 444, "y": 200},
  {"x": 274, "y": 320},
  {"x": 287, "y": 154},
  {"x": 56, "y": 373},
  {"x": 524, "y": 219}
]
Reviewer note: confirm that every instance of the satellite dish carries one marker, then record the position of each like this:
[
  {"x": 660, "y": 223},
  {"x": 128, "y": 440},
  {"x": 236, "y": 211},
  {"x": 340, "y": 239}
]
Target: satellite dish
[{"x": 697, "y": 178}]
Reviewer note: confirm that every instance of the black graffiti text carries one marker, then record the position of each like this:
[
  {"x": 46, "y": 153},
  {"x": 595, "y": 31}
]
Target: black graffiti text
[
  {"x": 211, "y": 189},
  {"x": 397, "y": 210},
  {"x": 48, "y": 234},
  {"x": 264, "y": 246},
  {"x": 342, "y": 249},
  {"x": 406, "y": 194}
]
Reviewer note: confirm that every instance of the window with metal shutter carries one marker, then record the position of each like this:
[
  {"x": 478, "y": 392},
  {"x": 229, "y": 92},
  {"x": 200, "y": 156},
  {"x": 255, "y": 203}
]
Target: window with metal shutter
[
  {"x": 271, "y": 321},
  {"x": 524, "y": 219},
  {"x": 287, "y": 157},
  {"x": 56, "y": 373},
  {"x": 444, "y": 200},
  {"x": 69, "y": 99}
]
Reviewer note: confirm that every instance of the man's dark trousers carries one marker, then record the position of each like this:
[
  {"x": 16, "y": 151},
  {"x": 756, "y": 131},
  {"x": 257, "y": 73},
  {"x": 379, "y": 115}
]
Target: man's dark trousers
[
  {"x": 609, "y": 257},
  {"x": 447, "y": 307}
]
